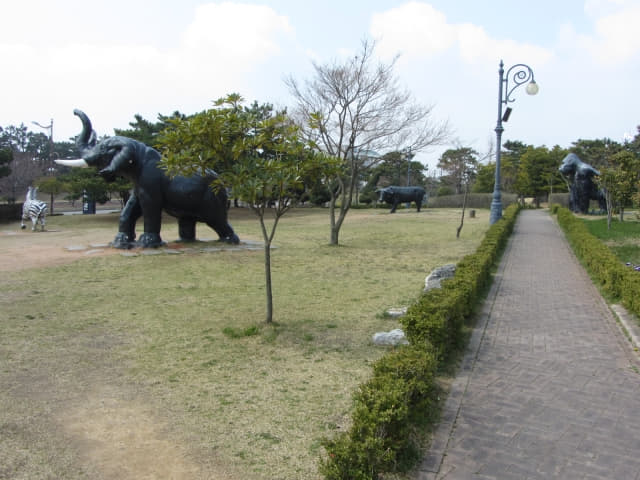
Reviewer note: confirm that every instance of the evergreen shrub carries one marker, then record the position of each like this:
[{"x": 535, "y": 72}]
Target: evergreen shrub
[
  {"x": 615, "y": 279},
  {"x": 386, "y": 410}
]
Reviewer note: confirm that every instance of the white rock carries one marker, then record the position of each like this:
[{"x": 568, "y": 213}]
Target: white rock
[
  {"x": 397, "y": 312},
  {"x": 439, "y": 274},
  {"x": 393, "y": 338}
]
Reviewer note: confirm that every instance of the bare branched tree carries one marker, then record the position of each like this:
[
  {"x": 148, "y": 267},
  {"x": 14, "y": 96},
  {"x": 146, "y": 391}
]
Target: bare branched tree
[{"x": 357, "y": 106}]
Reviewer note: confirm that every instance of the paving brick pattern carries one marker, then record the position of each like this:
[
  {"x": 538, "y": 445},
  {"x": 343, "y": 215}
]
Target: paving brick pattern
[{"x": 549, "y": 387}]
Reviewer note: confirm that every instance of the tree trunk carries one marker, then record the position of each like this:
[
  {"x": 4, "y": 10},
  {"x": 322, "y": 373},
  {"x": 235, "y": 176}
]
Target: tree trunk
[
  {"x": 334, "y": 230},
  {"x": 51, "y": 211},
  {"x": 268, "y": 237},
  {"x": 464, "y": 206},
  {"x": 335, "y": 235},
  {"x": 609, "y": 202},
  {"x": 267, "y": 276},
  {"x": 336, "y": 223}
]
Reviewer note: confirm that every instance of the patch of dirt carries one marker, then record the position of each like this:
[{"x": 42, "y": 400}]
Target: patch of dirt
[
  {"x": 23, "y": 249},
  {"x": 121, "y": 439}
]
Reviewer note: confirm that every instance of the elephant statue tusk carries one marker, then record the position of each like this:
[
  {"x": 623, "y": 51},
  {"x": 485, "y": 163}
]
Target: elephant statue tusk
[{"x": 77, "y": 162}]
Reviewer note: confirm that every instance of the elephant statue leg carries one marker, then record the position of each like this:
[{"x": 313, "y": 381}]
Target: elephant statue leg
[
  {"x": 152, "y": 221},
  {"x": 126, "y": 236},
  {"x": 187, "y": 229},
  {"x": 395, "y": 205}
]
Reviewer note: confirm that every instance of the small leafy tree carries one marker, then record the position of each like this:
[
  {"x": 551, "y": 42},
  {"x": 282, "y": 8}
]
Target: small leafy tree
[
  {"x": 457, "y": 163},
  {"x": 512, "y": 151},
  {"x": 6, "y": 157},
  {"x": 258, "y": 155},
  {"x": 51, "y": 185},
  {"x": 146, "y": 131},
  {"x": 619, "y": 181},
  {"x": 485, "y": 178},
  {"x": 81, "y": 182},
  {"x": 538, "y": 171}
]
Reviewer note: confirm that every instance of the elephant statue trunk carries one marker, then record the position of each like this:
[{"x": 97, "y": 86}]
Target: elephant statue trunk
[
  {"x": 87, "y": 137},
  {"x": 85, "y": 141}
]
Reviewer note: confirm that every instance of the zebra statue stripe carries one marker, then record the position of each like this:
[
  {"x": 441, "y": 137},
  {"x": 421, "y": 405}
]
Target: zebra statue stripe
[{"x": 33, "y": 209}]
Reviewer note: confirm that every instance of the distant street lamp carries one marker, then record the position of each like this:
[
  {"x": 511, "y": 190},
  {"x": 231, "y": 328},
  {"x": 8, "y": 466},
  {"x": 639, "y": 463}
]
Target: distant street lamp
[
  {"x": 50, "y": 168},
  {"x": 406, "y": 154},
  {"x": 519, "y": 74}
]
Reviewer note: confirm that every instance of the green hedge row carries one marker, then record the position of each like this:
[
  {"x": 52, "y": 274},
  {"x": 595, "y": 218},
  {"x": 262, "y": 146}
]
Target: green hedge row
[
  {"x": 615, "y": 279},
  {"x": 401, "y": 395}
]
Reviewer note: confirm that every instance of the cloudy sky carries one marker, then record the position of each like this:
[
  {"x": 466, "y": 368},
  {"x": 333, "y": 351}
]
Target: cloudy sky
[{"x": 116, "y": 58}]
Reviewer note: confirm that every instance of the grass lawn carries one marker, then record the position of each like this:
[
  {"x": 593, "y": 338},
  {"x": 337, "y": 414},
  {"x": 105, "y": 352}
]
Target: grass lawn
[
  {"x": 623, "y": 238},
  {"x": 180, "y": 340}
]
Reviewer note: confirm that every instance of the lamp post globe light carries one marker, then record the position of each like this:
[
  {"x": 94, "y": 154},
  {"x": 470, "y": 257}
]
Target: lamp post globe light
[{"x": 518, "y": 74}]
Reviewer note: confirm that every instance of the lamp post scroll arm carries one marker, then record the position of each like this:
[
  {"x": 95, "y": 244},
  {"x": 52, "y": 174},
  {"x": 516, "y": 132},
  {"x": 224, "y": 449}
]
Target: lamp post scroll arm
[{"x": 519, "y": 75}]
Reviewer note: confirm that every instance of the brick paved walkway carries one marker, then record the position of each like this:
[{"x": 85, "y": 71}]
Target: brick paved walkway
[{"x": 549, "y": 387}]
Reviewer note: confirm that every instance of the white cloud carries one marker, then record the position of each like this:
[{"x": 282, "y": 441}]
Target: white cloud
[
  {"x": 616, "y": 36},
  {"x": 223, "y": 45},
  {"x": 614, "y": 39},
  {"x": 414, "y": 29},
  {"x": 418, "y": 30},
  {"x": 240, "y": 35},
  {"x": 476, "y": 46},
  {"x": 599, "y": 8}
]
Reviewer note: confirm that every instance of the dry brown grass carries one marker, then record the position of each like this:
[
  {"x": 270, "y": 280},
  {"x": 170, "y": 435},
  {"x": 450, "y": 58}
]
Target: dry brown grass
[{"x": 175, "y": 345}]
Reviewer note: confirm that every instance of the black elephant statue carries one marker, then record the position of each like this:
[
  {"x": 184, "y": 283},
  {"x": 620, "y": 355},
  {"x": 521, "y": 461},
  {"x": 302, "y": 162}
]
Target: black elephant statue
[
  {"x": 189, "y": 199},
  {"x": 582, "y": 186},
  {"x": 397, "y": 195}
]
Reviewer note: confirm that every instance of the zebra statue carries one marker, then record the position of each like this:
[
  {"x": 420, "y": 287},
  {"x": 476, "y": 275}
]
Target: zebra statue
[{"x": 33, "y": 209}]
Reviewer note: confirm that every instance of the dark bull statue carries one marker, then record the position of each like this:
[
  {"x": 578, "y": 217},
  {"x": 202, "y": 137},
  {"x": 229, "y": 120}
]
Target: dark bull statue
[
  {"x": 582, "y": 185},
  {"x": 397, "y": 195},
  {"x": 189, "y": 199}
]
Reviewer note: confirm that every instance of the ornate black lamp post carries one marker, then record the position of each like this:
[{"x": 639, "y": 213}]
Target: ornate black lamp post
[
  {"x": 408, "y": 156},
  {"x": 519, "y": 74}
]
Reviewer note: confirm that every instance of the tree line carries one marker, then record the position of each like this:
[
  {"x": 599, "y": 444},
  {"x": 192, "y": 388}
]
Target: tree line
[
  {"x": 353, "y": 110},
  {"x": 532, "y": 171}
]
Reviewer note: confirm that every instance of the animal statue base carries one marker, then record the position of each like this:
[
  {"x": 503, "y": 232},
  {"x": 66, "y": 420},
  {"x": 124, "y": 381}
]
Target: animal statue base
[
  {"x": 146, "y": 240},
  {"x": 151, "y": 240},
  {"x": 189, "y": 199}
]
